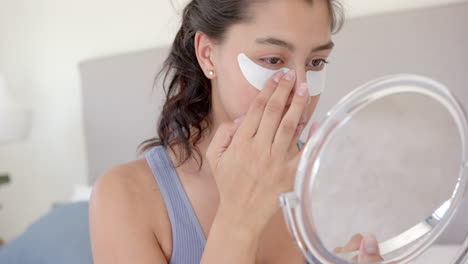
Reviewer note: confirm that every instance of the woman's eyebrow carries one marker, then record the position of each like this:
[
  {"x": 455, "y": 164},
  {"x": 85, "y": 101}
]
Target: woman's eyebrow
[
  {"x": 276, "y": 42},
  {"x": 290, "y": 46},
  {"x": 327, "y": 46}
]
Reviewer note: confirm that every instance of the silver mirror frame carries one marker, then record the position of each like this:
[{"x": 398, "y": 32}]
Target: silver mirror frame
[{"x": 296, "y": 204}]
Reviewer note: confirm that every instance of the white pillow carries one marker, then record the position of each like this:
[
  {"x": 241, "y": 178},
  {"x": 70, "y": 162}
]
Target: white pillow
[{"x": 81, "y": 192}]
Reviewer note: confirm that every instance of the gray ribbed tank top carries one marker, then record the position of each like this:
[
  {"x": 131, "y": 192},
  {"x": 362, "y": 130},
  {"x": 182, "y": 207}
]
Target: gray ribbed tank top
[{"x": 188, "y": 239}]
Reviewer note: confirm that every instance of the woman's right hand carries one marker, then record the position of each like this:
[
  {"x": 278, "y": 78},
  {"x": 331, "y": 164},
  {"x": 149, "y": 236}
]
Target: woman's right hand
[{"x": 255, "y": 159}]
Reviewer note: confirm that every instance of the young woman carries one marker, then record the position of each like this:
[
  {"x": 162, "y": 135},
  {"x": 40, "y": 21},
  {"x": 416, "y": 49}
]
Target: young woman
[{"x": 207, "y": 190}]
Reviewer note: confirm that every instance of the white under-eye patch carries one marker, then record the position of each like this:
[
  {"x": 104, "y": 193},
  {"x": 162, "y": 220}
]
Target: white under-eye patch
[{"x": 258, "y": 76}]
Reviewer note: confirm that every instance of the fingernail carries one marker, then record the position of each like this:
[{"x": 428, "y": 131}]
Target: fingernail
[
  {"x": 239, "y": 119},
  {"x": 302, "y": 90},
  {"x": 371, "y": 246},
  {"x": 289, "y": 75},
  {"x": 277, "y": 77}
]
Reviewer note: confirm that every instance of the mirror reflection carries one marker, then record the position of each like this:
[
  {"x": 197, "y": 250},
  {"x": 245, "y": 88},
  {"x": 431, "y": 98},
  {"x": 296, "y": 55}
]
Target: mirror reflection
[{"x": 384, "y": 172}]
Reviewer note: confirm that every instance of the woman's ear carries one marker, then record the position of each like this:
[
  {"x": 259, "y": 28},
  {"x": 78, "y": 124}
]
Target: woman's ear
[{"x": 204, "y": 49}]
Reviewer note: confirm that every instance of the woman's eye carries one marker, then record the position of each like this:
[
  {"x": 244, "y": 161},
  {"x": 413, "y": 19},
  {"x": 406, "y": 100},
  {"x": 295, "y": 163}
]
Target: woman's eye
[
  {"x": 273, "y": 61},
  {"x": 317, "y": 63}
]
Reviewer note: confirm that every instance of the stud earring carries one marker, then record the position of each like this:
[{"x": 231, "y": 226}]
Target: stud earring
[{"x": 211, "y": 73}]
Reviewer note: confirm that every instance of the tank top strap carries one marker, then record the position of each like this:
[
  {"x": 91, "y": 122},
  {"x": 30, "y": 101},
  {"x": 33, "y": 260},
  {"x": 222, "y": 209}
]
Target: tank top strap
[{"x": 187, "y": 235}]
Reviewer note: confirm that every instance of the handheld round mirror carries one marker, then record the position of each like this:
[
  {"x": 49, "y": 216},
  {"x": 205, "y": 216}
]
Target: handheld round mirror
[{"x": 389, "y": 159}]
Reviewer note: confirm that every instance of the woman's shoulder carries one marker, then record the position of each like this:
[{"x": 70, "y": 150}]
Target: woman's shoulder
[
  {"x": 129, "y": 184},
  {"x": 124, "y": 180},
  {"x": 125, "y": 206},
  {"x": 129, "y": 191}
]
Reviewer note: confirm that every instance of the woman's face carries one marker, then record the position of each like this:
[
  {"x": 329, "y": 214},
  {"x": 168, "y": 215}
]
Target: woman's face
[{"x": 283, "y": 33}]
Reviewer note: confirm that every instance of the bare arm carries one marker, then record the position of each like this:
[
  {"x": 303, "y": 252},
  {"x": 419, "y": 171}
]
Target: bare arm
[
  {"x": 119, "y": 232},
  {"x": 231, "y": 241}
]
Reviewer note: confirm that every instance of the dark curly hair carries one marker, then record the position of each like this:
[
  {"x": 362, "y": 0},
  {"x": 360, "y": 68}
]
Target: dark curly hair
[{"x": 185, "y": 116}]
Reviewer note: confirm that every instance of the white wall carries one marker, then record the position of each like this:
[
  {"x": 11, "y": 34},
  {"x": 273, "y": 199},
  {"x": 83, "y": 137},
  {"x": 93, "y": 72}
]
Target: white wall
[
  {"x": 358, "y": 8},
  {"x": 41, "y": 43}
]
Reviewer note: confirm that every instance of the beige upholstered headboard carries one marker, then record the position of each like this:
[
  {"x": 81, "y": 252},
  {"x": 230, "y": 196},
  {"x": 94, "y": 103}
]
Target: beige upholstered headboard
[
  {"x": 121, "y": 107},
  {"x": 120, "y": 110}
]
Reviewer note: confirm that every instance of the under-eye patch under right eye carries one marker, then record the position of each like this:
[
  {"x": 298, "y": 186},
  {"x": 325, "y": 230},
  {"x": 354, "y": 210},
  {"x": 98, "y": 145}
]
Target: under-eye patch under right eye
[{"x": 258, "y": 76}]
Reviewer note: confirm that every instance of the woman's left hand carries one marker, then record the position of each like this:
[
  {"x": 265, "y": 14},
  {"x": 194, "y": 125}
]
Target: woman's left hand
[{"x": 367, "y": 245}]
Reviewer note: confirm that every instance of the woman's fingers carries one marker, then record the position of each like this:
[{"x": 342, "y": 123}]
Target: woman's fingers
[
  {"x": 293, "y": 145},
  {"x": 353, "y": 244},
  {"x": 312, "y": 129},
  {"x": 275, "y": 108},
  {"x": 369, "y": 249},
  {"x": 298, "y": 156},
  {"x": 221, "y": 141},
  {"x": 367, "y": 245},
  {"x": 252, "y": 119},
  {"x": 337, "y": 250},
  {"x": 289, "y": 124}
]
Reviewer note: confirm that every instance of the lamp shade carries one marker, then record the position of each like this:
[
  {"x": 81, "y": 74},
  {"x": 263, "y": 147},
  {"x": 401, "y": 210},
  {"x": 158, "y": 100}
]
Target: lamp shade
[{"x": 15, "y": 119}]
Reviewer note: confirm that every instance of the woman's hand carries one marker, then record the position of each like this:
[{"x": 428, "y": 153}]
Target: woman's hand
[
  {"x": 367, "y": 245},
  {"x": 253, "y": 159}
]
